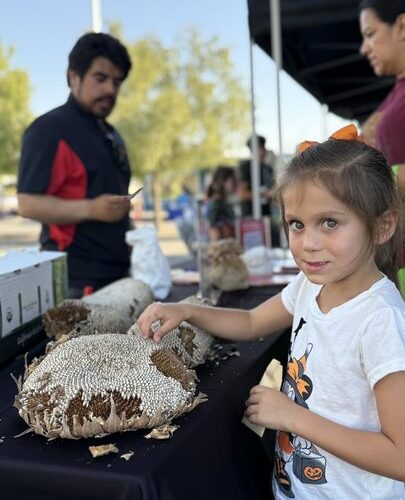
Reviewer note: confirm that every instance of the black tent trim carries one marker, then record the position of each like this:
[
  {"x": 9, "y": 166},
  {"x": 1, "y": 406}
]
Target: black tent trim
[{"x": 321, "y": 41}]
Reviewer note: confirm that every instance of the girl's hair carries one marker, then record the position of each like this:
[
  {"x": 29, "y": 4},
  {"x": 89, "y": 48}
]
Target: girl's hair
[
  {"x": 360, "y": 177},
  {"x": 387, "y": 10},
  {"x": 217, "y": 185}
]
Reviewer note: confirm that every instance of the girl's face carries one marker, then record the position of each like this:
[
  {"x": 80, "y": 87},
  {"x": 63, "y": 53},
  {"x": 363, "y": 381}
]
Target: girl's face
[
  {"x": 383, "y": 44},
  {"x": 328, "y": 240}
]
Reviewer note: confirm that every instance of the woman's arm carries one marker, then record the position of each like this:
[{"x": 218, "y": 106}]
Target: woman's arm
[
  {"x": 215, "y": 234},
  {"x": 232, "y": 324},
  {"x": 243, "y": 191},
  {"x": 401, "y": 180},
  {"x": 382, "y": 452}
]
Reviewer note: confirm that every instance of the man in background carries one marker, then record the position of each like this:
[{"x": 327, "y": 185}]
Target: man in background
[
  {"x": 267, "y": 184},
  {"x": 74, "y": 171}
]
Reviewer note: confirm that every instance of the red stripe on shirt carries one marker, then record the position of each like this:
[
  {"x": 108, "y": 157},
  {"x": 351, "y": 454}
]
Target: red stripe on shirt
[{"x": 69, "y": 182}]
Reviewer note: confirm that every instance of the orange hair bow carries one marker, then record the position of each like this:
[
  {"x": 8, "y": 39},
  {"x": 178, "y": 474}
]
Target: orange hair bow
[{"x": 348, "y": 133}]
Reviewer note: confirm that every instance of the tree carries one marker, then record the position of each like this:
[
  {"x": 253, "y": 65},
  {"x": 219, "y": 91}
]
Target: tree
[
  {"x": 181, "y": 107},
  {"x": 14, "y": 110}
]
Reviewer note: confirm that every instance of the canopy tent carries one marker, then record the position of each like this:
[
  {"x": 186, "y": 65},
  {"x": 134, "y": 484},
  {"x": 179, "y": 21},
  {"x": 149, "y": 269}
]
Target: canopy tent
[{"x": 321, "y": 41}]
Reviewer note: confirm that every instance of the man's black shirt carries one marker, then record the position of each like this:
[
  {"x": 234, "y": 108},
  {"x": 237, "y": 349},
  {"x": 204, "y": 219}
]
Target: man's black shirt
[
  {"x": 68, "y": 153},
  {"x": 267, "y": 181}
]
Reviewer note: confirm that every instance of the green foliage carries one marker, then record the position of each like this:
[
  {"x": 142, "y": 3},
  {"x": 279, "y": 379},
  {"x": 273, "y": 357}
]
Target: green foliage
[
  {"x": 14, "y": 110},
  {"x": 181, "y": 107}
]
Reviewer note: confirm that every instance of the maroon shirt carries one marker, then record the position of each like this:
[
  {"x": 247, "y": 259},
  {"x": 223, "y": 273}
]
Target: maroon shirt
[{"x": 390, "y": 133}]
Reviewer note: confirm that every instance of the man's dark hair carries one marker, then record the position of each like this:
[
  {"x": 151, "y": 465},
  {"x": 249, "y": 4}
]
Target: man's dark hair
[
  {"x": 386, "y": 10},
  {"x": 92, "y": 45},
  {"x": 261, "y": 141}
]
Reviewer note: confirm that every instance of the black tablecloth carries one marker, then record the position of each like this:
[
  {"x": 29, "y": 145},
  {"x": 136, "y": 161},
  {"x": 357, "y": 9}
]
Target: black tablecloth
[{"x": 211, "y": 456}]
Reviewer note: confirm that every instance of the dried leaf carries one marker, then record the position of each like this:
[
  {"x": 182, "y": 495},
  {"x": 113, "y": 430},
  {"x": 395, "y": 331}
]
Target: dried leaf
[
  {"x": 103, "y": 449},
  {"x": 162, "y": 432}
]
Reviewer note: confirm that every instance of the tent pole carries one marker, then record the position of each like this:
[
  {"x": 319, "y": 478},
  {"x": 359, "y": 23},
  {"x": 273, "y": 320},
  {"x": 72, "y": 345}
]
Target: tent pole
[
  {"x": 254, "y": 162},
  {"x": 324, "y": 111},
  {"x": 97, "y": 23},
  {"x": 276, "y": 49}
]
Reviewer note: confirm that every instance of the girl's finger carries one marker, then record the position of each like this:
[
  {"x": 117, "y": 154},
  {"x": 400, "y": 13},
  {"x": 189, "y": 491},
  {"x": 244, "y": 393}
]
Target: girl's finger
[
  {"x": 145, "y": 326},
  {"x": 251, "y": 410},
  {"x": 165, "y": 327},
  {"x": 257, "y": 389},
  {"x": 252, "y": 400}
]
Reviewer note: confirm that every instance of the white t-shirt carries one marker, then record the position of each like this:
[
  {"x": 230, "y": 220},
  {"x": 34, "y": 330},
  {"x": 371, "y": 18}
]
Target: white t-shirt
[{"x": 334, "y": 362}]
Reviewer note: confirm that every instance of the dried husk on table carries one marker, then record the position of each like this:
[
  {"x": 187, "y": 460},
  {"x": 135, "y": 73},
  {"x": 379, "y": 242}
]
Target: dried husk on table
[
  {"x": 99, "y": 384},
  {"x": 113, "y": 308},
  {"x": 227, "y": 270},
  {"x": 191, "y": 344},
  {"x": 75, "y": 318}
]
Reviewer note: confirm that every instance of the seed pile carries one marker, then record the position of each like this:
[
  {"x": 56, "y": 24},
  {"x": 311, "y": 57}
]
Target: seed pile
[
  {"x": 99, "y": 384},
  {"x": 191, "y": 344},
  {"x": 188, "y": 342},
  {"x": 114, "y": 308}
]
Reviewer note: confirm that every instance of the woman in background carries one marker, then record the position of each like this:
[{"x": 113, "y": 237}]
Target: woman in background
[
  {"x": 221, "y": 215},
  {"x": 382, "y": 24}
]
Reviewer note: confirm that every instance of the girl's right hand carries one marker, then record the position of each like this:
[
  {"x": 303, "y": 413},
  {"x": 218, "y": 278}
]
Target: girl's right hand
[{"x": 168, "y": 315}]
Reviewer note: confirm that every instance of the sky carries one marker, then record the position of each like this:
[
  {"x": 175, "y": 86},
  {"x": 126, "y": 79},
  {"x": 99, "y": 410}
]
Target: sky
[{"x": 42, "y": 33}]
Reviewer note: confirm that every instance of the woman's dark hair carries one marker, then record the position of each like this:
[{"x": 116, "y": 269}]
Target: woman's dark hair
[
  {"x": 360, "y": 177},
  {"x": 217, "y": 185},
  {"x": 93, "y": 45},
  {"x": 387, "y": 10}
]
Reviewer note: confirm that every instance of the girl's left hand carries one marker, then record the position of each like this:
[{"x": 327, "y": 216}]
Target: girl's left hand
[{"x": 270, "y": 408}]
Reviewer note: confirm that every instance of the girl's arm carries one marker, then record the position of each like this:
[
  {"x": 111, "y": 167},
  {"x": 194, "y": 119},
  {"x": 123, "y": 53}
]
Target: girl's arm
[
  {"x": 381, "y": 452},
  {"x": 232, "y": 324}
]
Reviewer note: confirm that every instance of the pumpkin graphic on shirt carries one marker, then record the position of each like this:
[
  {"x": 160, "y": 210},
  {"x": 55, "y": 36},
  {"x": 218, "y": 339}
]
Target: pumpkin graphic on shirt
[{"x": 308, "y": 465}]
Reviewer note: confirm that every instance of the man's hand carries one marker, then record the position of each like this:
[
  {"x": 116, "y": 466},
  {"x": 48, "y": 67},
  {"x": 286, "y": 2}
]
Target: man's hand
[{"x": 109, "y": 208}]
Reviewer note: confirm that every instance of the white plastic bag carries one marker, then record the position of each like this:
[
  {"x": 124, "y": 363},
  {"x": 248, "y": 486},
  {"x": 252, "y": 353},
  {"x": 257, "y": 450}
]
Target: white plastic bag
[
  {"x": 258, "y": 261},
  {"x": 148, "y": 263}
]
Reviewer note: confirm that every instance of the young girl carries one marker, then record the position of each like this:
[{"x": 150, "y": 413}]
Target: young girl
[
  {"x": 220, "y": 212},
  {"x": 341, "y": 412}
]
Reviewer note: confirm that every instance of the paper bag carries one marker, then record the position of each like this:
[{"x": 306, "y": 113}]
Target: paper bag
[{"x": 272, "y": 378}]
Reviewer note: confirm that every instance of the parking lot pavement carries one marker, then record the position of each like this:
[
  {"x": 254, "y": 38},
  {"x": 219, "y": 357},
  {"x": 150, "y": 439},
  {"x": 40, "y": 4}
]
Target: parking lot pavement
[{"x": 19, "y": 233}]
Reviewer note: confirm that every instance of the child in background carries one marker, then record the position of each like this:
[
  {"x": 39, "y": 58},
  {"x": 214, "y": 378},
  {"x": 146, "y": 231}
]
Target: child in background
[
  {"x": 220, "y": 211},
  {"x": 340, "y": 416}
]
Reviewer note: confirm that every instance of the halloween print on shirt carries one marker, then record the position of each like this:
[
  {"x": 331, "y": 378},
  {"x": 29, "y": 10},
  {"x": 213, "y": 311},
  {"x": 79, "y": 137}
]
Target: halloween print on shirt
[{"x": 308, "y": 465}]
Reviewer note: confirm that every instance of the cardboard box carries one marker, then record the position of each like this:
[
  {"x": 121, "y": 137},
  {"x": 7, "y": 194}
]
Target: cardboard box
[{"x": 31, "y": 282}]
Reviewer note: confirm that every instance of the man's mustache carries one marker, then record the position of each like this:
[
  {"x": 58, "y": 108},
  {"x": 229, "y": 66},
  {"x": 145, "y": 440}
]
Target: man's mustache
[{"x": 109, "y": 98}]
